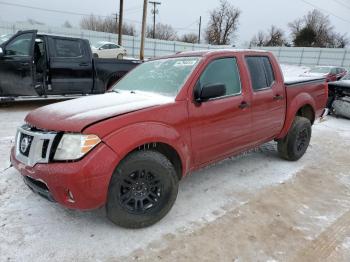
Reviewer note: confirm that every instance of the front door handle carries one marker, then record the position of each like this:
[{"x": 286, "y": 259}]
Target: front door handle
[
  {"x": 83, "y": 64},
  {"x": 243, "y": 105},
  {"x": 278, "y": 97}
]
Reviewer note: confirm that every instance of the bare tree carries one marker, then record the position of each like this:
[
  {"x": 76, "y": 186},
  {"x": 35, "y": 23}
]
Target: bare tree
[
  {"x": 163, "y": 32},
  {"x": 107, "y": 24},
  {"x": 67, "y": 24},
  {"x": 315, "y": 30},
  {"x": 273, "y": 37},
  {"x": 258, "y": 40},
  {"x": 339, "y": 41},
  {"x": 223, "y": 22},
  {"x": 189, "y": 38}
]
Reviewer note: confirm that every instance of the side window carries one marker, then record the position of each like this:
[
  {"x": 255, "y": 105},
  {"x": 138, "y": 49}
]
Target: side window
[
  {"x": 20, "y": 46},
  {"x": 261, "y": 72},
  {"x": 67, "y": 48},
  {"x": 270, "y": 76},
  {"x": 223, "y": 71},
  {"x": 113, "y": 46},
  {"x": 333, "y": 71}
]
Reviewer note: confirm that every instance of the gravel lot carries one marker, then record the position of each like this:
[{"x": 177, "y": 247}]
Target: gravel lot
[{"x": 254, "y": 207}]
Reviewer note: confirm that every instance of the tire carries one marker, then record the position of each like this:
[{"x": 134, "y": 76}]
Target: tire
[
  {"x": 294, "y": 145},
  {"x": 142, "y": 190}
]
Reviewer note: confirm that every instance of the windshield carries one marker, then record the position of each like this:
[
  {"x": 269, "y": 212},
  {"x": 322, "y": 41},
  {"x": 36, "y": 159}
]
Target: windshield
[
  {"x": 322, "y": 70},
  {"x": 164, "y": 76}
]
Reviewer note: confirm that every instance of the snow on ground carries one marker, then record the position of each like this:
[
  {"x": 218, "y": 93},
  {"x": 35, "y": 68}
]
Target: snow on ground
[
  {"x": 32, "y": 228},
  {"x": 29, "y": 222}
]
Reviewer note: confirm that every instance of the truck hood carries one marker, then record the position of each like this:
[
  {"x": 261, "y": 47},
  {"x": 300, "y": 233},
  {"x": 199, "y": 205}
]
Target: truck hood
[{"x": 74, "y": 115}]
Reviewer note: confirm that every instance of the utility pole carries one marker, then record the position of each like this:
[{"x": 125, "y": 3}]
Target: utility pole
[
  {"x": 121, "y": 7},
  {"x": 154, "y": 12},
  {"x": 199, "y": 30},
  {"x": 116, "y": 24},
  {"x": 143, "y": 31}
]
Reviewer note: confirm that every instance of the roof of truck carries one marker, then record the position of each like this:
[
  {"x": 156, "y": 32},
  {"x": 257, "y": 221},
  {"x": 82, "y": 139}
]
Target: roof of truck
[{"x": 216, "y": 51}]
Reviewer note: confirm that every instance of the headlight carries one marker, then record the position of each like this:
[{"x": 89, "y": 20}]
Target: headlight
[{"x": 75, "y": 146}]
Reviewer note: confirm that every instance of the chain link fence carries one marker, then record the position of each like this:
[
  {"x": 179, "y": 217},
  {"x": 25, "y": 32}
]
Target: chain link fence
[
  {"x": 155, "y": 48},
  {"x": 311, "y": 56}
]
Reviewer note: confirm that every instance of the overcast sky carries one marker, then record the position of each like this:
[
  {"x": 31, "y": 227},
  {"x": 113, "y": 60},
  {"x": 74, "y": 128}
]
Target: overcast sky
[{"x": 184, "y": 14}]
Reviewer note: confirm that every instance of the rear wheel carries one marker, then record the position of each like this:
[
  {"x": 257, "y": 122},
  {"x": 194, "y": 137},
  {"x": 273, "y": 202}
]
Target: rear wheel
[
  {"x": 142, "y": 190},
  {"x": 296, "y": 142}
]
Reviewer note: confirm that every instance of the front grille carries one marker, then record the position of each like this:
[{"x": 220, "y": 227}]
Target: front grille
[
  {"x": 45, "y": 148},
  {"x": 33, "y": 146}
]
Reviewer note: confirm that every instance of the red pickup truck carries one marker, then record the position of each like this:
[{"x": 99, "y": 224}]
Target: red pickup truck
[{"x": 128, "y": 149}]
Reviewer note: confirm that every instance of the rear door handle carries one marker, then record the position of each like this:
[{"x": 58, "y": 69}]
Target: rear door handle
[
  {"x": 243, "y": 105},
  {"x": 278, "y": 97}
]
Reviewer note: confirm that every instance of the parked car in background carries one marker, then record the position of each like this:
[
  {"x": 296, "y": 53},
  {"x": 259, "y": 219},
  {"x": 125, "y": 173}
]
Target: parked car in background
[
  {"x": 339, "y": 97},
  {"x": 105, "y": 49},
  {"x": 128, "y": 149},
  {"x": 42, "y": 65},
  {"x": 331, "y": 73}
]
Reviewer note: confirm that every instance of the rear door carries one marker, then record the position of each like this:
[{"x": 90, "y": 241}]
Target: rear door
[
  {"x": 71, "y": 68},
  {"x": 268, "y": 99},
  {"x": 220, "y": 126},
  {"x": 17, "y": 67}
]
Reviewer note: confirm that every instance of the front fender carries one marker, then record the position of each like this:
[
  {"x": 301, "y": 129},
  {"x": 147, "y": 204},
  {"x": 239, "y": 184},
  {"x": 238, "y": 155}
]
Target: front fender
[
  {"x": 128, "y": 138},
  {"x": 293, "y": 107}
]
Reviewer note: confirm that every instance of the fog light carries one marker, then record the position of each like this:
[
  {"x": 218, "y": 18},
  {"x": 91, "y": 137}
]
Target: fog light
[{"x": 70, "y": 196}]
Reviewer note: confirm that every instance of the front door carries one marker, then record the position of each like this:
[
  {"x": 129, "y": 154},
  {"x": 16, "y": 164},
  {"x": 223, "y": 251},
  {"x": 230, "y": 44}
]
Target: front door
[
  {"x": 17, "y": 68},
  {"x": 220, "y": 126}
]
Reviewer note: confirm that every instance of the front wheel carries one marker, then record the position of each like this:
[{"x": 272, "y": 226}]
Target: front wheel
[
  {"x": 142, "y": 190},
  {"x": 294, "y": 145}
]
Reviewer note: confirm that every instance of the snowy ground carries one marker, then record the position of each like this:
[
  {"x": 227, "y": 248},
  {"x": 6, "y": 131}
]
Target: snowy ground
[{"x": 254, "y": 207}]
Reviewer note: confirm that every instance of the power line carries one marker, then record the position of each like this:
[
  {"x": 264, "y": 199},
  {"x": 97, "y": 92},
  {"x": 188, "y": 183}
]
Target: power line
[
  {"x": 341, "y": 3},
  {"x": 317, "y": 7},
  {"x": 47, "y": 10},
  {"x": 61, "y": 11}
]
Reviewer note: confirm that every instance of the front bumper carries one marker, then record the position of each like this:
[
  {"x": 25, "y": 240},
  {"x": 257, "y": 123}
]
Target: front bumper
[{"x": 79, "y": 185}]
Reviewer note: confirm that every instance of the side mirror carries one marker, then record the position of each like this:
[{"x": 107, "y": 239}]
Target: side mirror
[
  {"x": 210, "y": 91},
  {"x": 1, "y": 52}
]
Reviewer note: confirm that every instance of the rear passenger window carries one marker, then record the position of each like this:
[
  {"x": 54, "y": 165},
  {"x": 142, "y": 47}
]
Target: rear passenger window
[
  {"x": 67, "y": 48},
  {"x": 261, "y": 72},
  {"x": 223, "y": 71}
]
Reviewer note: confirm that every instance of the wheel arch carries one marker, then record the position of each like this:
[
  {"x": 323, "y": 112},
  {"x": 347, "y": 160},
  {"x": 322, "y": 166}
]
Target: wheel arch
[
  {"x": 302, "y": 105},
  {"x": 152, "y": 136}
]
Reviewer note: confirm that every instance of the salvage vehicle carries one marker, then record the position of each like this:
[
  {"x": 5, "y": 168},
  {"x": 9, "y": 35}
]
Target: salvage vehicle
[
  {"x": 105, "y": 49},
  {"x": 339, "y": 97},
  {"x": 331, "y": 73},
  {"x": 128, "y": 149},
  {"x": 42, "y": 65}
]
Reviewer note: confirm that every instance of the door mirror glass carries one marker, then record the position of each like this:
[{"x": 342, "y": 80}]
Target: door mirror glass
[
  {"x": 211, "y": 91},
  {"x": 1, "y": 52}
]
